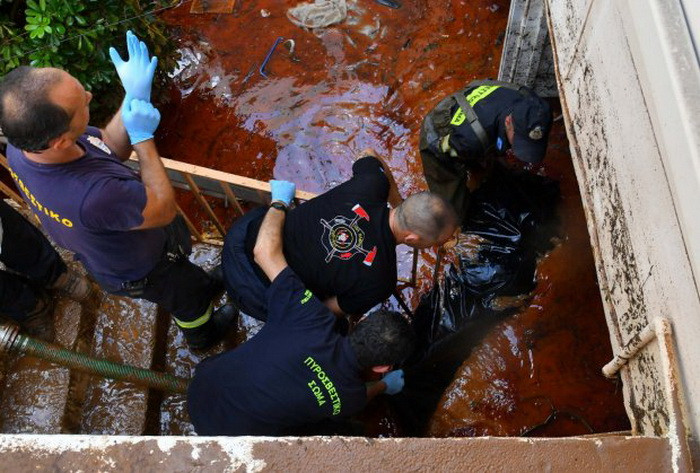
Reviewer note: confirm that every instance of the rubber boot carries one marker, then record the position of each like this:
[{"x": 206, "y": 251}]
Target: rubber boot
[
  {"x": 212, "y": 330},
  {"x": 75, "y": 285},
  {"x": 39, "y": 322},
  {"x": 217, "y": 274},
  {"x": 79, "y": 288}
]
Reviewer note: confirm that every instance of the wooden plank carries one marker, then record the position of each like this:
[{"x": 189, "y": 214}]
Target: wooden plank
[
  {"x": 414, "y": 267},
  {"x": 231, "y": 197},
  {"x": 203, "y": 202},
  {"x": 11, "y": 194},
  {"x": 3, "y": 161},
  {"x": 233, "y": 179},
  {"x": 527, "y": 54},
  {"x": 190, "y": 225},
  {"x": 209, "y": 241},
  {"x": 264, "y": 197},
  {"x": 438, "y": 262}
]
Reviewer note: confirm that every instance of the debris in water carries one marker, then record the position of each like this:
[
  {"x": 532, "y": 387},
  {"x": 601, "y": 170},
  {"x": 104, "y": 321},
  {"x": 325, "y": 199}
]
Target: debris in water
[
  {"x": 319, "y": 14},
  {"x": 389, "y": 3},
  {"x": 269, "y": 55}
]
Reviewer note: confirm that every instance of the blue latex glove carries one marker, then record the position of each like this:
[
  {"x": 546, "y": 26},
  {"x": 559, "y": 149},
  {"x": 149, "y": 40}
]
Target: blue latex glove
[
  {"x": 140, "y": 119},
  {"x": 282, "y": 191},
  {"x": 394, "y": 381},
  {"x": 136, "y": 73}
]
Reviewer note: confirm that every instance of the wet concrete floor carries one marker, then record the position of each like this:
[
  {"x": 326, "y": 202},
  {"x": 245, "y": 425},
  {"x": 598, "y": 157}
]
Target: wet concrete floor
[{"x": 367, "y": 82}]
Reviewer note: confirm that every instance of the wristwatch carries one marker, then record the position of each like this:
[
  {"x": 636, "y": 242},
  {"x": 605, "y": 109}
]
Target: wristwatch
[{"x": 279, "y": 206}]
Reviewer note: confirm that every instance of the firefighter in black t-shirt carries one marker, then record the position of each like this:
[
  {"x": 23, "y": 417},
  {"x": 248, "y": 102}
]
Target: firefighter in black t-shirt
[
  {"x": 471, "y": 126},
  {"x": 342, "y": 243},
  {"x": 298, "y": 369}
]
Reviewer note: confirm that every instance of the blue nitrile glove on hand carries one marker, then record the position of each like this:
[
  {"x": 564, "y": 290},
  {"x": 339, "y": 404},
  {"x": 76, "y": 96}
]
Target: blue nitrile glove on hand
[
  {"x": 394, "y": 381},
  {"x": 136, "y": 73},
  {"x": 140, "y": 119},
  {"x": 282, "y": 191}
]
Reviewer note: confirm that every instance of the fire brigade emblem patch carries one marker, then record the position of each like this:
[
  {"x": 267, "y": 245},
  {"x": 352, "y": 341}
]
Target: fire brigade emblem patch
[
  {"x": 536, "y": 133},
  {"x": 343, "y": 238}
]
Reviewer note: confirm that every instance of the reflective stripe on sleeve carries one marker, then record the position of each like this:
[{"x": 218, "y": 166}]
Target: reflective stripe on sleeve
[{"x": 473, "y": 97}]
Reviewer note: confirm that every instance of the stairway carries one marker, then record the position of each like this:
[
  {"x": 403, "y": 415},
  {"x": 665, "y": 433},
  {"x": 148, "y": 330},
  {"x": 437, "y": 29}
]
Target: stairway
[{"x": 39, "y": 397}]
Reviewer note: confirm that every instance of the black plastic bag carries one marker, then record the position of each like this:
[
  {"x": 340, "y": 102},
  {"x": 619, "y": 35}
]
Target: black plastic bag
[{"x": 511, "y": 221}]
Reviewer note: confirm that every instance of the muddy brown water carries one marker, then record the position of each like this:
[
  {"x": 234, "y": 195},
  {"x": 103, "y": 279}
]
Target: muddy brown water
[{"x": 368, "y": 82}]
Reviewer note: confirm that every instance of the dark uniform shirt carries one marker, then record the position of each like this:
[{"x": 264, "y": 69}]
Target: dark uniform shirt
[
  {"x": 492, "y": 111},
  {"x": 446, "y": 168},
  {"x": 340, "y": 243},
  {"x": 296, "y": 370},
  {"x": 89, "y": 206}
]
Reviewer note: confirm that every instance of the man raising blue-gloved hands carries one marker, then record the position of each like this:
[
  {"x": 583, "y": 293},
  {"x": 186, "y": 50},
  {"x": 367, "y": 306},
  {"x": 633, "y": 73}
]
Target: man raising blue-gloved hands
[
  {"x": 136, "y": 73},
  {"x": 122, "y": 225},
  {"x": 394, "y": 382}
]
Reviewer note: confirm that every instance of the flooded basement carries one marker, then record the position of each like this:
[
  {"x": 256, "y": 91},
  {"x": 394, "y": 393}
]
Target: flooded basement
[{"x": 366, "y": 81}]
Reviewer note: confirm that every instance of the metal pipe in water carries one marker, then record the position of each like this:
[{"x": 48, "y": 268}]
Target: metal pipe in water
[{"x": 13, "y": 341}]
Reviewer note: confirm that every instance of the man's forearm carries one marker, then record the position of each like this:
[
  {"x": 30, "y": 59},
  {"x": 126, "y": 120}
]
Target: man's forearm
[
  {"x": 394, "y": 198},
  {"x": 116, "y": 137},
  {"x": 160, "y": 204},
  {"x": 268, "y": 247}
]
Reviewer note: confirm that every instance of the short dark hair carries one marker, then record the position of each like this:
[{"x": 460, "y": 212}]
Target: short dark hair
[
  {"x": 28, "y": 118},
  {"x": 426, "y": 214},
  {"x": 384, "y": 337}
]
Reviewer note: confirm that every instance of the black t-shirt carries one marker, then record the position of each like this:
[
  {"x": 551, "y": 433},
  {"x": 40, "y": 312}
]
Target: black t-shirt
[
  {"x": 296, "y": 370},
  {"x": 340, "y": 243}
]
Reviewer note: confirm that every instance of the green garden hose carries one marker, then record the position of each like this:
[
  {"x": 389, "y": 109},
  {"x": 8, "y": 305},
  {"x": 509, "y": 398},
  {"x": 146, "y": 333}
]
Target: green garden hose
[{"x": 12, "y": 340}]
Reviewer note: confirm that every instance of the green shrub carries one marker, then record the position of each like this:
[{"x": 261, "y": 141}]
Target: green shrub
[{"x": 75, "y": 35}]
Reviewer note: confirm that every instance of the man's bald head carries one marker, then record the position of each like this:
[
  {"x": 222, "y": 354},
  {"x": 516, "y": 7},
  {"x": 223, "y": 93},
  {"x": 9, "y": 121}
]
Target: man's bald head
[
  {"x": 427, "y": 216},
  {"x": 28, "y": 117}
]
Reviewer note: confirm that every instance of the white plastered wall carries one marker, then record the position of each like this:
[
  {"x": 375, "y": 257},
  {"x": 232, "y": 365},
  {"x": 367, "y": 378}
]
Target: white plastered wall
[{"x": 630, "y": 85}]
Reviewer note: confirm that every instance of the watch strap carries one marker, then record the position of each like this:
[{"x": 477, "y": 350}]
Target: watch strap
[{"x": 279, "y": 206}]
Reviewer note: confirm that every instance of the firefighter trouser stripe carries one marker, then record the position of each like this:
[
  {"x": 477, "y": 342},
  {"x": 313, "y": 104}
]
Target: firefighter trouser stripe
[{"x": 196, "y": 322}]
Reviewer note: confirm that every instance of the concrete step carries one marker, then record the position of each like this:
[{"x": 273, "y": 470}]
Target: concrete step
[
  {"x": 180, "y": 361},
  {"x": 39, "y": 397},
  {"x": 124, "y": 333},
  {"x": 35, "y": 392}
]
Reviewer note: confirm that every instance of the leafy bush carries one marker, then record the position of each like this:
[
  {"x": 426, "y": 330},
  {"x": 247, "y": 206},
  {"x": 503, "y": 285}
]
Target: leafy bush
[{"x": 75, "y": 35}]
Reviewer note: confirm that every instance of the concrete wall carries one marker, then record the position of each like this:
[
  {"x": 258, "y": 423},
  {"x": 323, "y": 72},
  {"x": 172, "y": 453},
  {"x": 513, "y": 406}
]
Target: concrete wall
[
  {"x": 630, "y": 86},
  {"x": 58, "y": 453}
]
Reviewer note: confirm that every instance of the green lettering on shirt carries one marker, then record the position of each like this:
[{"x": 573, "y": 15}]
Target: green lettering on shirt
[
  {"x": 326, "y": 382},
  {"x": 307, "y": 296}
]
